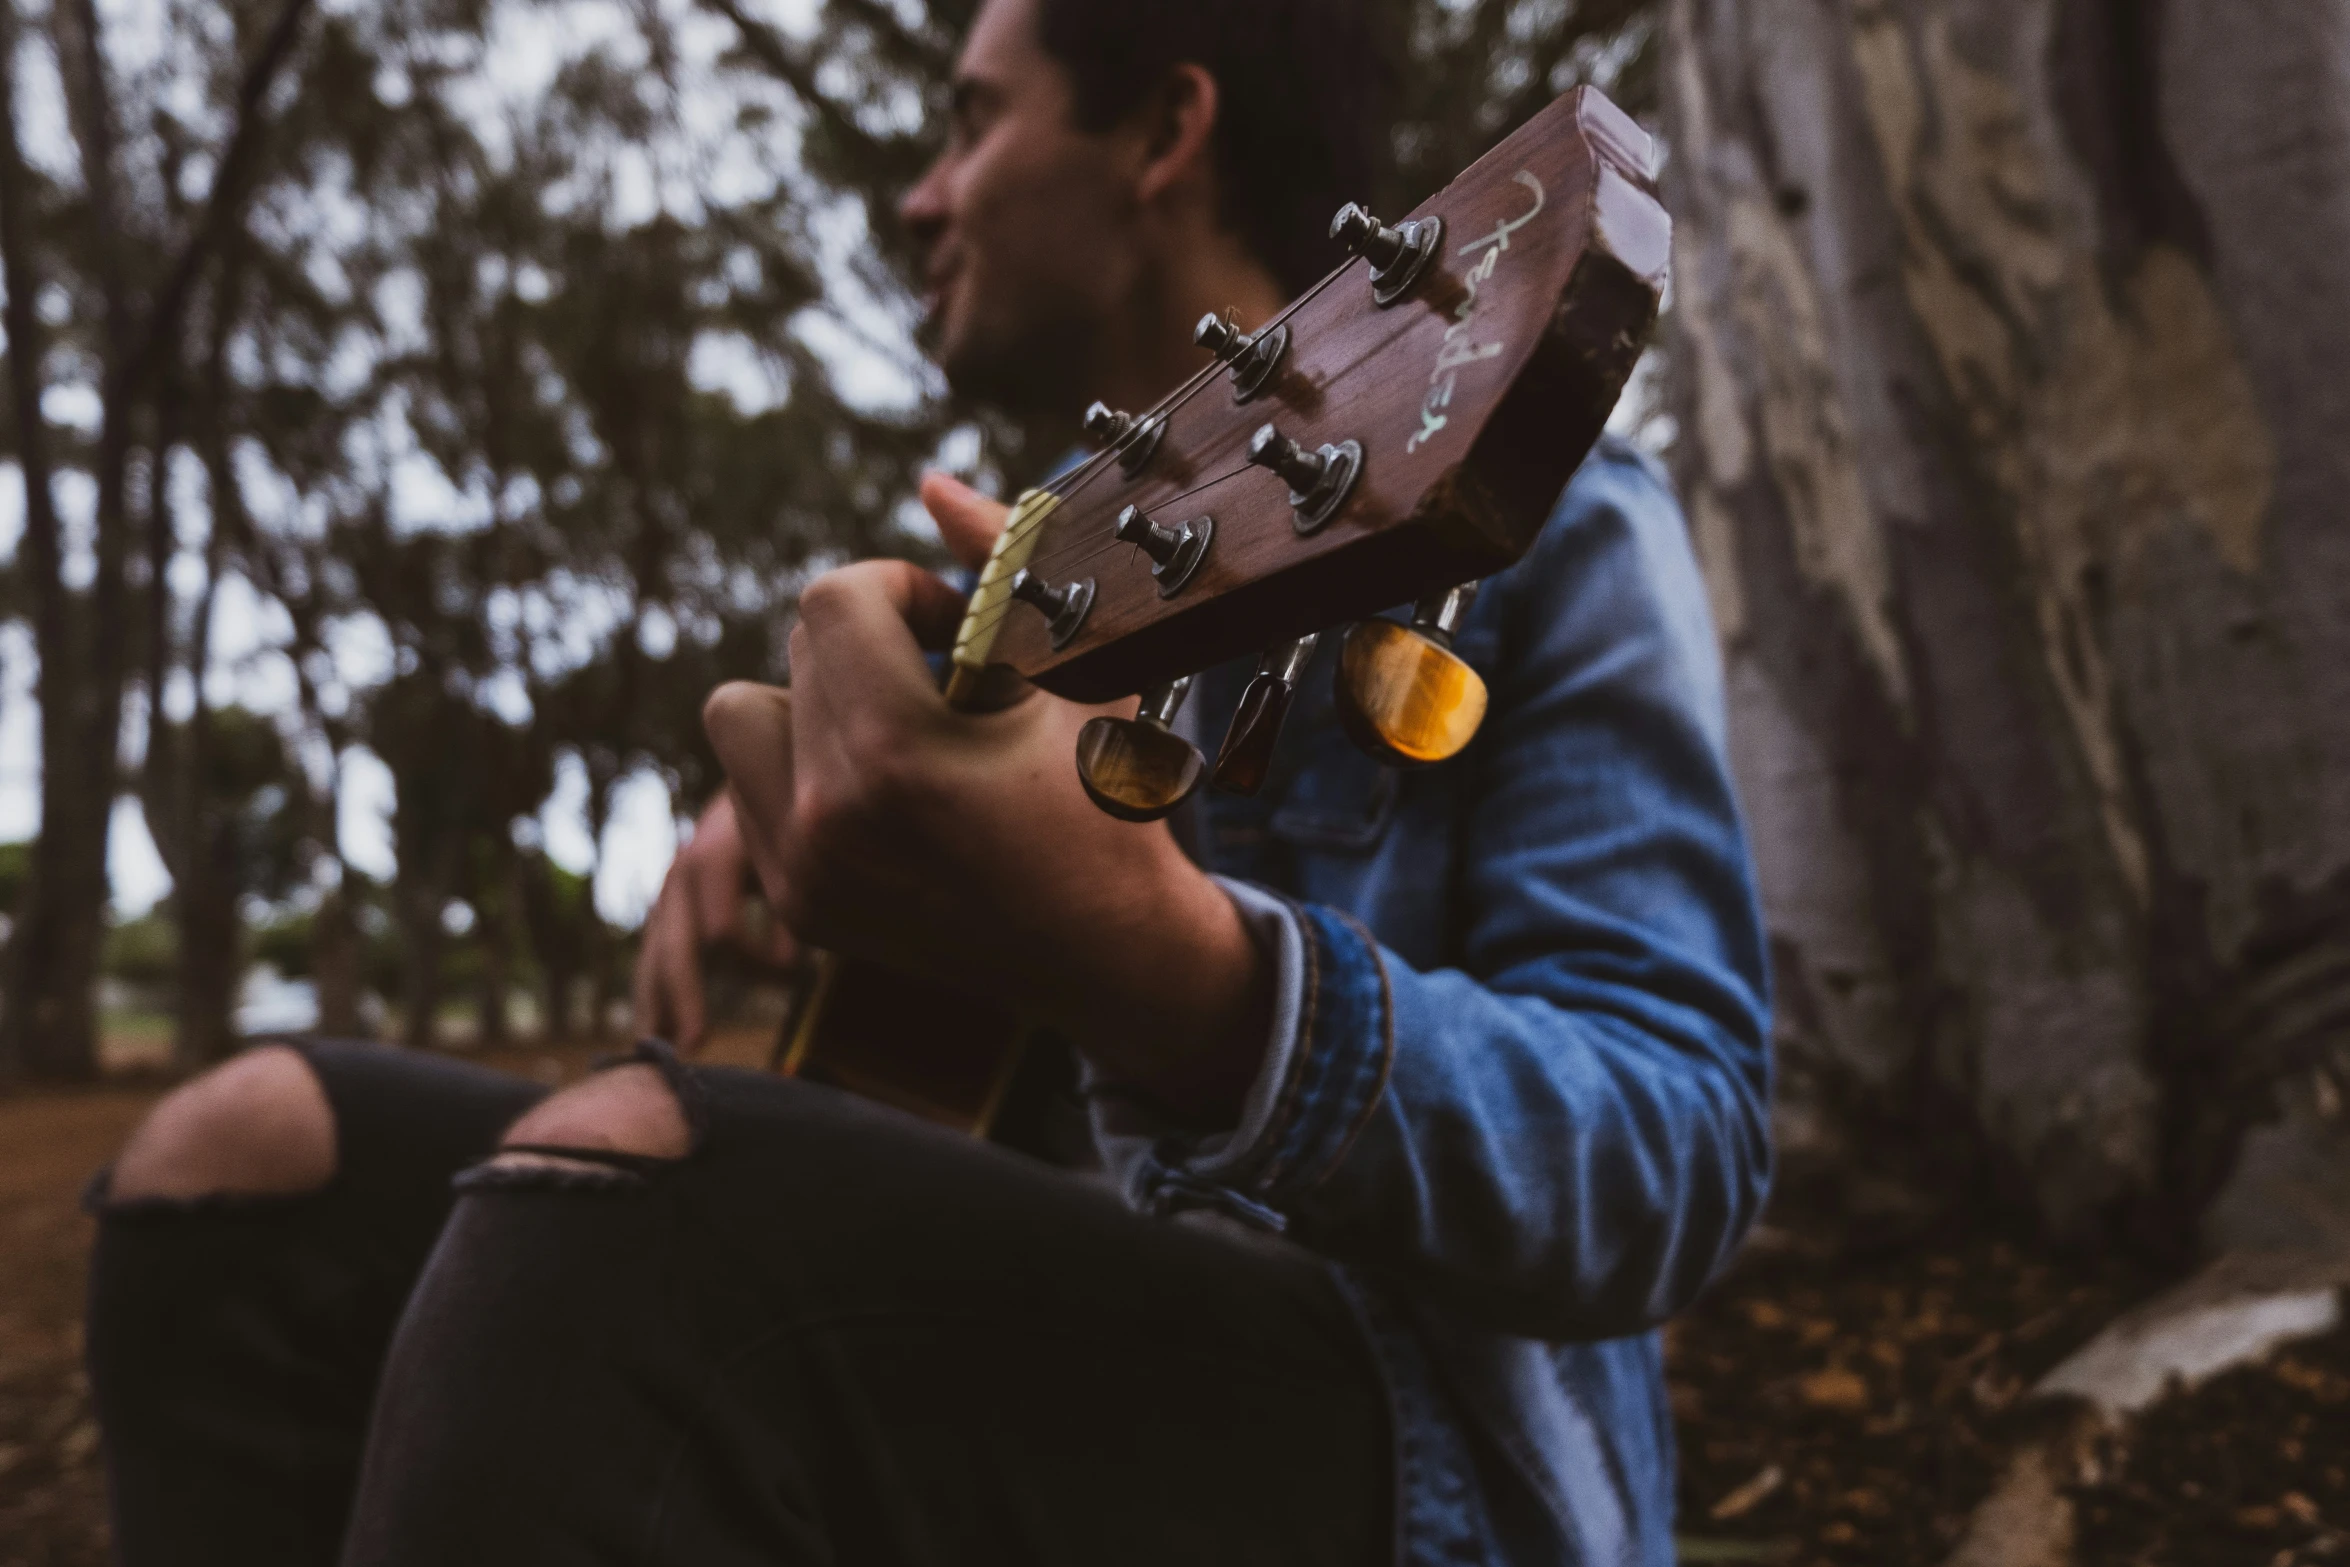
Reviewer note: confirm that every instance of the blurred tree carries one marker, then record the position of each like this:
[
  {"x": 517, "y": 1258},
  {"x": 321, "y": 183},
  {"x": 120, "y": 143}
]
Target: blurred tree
[
  {"x": 2011, "y": 339},
  {"x": 128, "y": 251},
  {"x": 488, "y": 373},
  {"x": 559, "y": 918},
  {"x": 16, "y": 869},
  {"x": 234, "y": 838}
]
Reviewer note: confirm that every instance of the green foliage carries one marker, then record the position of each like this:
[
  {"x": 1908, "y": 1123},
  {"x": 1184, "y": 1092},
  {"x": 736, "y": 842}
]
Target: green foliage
[
  {"x": 143, "y": 953},
  {"x": 16, "y": 864}
]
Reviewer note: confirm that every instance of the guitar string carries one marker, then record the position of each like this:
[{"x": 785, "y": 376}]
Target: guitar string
[
  {"x": 1089, "y": 470},
  {"x": 1198, "y": 385},
  {"x": 1105, "y": 546},
  {"x": 1078, "y": 552},
  {"x": 1200, "y": 381}
]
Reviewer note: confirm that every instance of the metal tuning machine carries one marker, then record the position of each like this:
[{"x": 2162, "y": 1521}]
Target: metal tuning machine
[
  {"x": 1397, "y": 255},
  {"x": 1252, "y": 358},
  {"x": 1138, "y": 769},
  {"x": 1404, "y": 696},
  {"x": 1136, "y": 441},
  {"x": 1319, "y": 480},
  {"x": 1064, "y": 608},
  {"x": 1247, "y": 753},
  {"x": 1175, "y": 552}
]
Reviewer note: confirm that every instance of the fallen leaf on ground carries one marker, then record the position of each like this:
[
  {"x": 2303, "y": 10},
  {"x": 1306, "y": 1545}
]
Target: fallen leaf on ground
[
  {"x": 1742, "y": 1500},
  {"x": 1835, "y": 1389}
]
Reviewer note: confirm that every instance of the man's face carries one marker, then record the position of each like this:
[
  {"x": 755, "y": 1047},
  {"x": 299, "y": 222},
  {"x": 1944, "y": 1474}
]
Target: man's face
[{"x": 1025, "y": 224}]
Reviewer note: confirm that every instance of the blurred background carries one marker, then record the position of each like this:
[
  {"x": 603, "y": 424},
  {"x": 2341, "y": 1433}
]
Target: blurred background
[{"x": 415, "y": 407}]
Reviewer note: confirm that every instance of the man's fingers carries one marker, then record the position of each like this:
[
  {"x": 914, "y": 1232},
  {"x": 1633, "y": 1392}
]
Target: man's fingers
[
  {"x": 750, "y": 727},
  {"x": 714, "y": 863},
  {"x": 967, "y": 521},
  {"x": 883, "y": 615},
  {"x": 667, "y": 996}
]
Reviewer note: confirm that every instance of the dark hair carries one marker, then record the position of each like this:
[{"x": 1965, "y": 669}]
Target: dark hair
[{"x": 1303, "y": 87}]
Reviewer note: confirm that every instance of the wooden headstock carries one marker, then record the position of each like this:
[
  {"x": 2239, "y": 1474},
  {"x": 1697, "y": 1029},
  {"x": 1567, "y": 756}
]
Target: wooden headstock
[{"x": 1427, "y": 402}]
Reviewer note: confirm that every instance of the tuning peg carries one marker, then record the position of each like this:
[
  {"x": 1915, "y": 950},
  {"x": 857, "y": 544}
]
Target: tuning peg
[
  {"x": 1247, "y": 753},
  {"x": 1253, "y": 358},
  {"x": 1064, "y": 608},
  {"x": 1135, "y": 440},
  {"x": 1319, "y": 479},
  {"x": 1175, "y": 552},
  {"x": 1397, "y": 255},
  {"x": 1404, "y": 696},
  {"x": 1138, "y": 769}
]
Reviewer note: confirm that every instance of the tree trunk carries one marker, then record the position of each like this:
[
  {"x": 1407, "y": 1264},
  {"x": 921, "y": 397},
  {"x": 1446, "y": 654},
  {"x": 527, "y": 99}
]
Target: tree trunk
[
  {"x": 334, "y": 966},
  {"x": 421, "y": 900},
  {"x": 603, "y": 955},
  {"x": 211, "y": 954},
  {"x": 50, "y": 1025},
  {"x": 2009, "y": 345},
  {"x": 493, "y": 906}
]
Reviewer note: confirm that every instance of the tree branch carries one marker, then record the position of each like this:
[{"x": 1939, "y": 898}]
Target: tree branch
[
  {"x": 775, "y": 52},
  {"x": 223, "y": 205},
  {"x": 26, "y": 341}
]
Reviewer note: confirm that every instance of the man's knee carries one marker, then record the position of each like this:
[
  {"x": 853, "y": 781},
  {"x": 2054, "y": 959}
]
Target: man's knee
[
  {"x": 259, "y": 1125},
  {"x": 630, "y": 1110}
]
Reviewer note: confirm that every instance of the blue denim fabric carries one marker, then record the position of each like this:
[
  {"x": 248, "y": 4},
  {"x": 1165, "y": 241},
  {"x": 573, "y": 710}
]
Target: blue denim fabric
[{"x": 1525, "y": 1110}]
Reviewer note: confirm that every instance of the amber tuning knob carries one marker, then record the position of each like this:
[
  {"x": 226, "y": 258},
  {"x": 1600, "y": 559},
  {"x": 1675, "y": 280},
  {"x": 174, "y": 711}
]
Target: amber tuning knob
[
  {"x": 1138, "y": 769},
  {"x": 1404, "y": 695}
]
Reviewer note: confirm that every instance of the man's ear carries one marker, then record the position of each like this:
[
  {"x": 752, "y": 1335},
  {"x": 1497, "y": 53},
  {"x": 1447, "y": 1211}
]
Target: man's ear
[{"x": 1181, "y": 120}]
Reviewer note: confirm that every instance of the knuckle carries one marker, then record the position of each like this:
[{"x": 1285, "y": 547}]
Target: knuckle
[
  {"x": 730, "y": 702},
  {"x": 825, "y": 600}
]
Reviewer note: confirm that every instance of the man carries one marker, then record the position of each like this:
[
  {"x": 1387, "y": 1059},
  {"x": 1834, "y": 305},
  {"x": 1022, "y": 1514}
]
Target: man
[{"x": 1487, "y": 1042}]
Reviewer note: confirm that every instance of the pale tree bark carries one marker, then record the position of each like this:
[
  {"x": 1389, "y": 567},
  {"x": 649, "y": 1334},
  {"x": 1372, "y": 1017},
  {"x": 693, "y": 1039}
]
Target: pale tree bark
[{"x": 2010, "y": 350}]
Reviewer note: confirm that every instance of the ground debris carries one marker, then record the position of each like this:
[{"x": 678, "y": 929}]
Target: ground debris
[
  {"x": 1880, "y": 1382},
  {"x": 2252, "y": 1466}
]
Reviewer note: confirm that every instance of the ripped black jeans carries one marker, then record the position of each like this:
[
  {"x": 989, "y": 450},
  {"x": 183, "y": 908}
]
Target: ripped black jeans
[{"x": 828, "y": 1334}]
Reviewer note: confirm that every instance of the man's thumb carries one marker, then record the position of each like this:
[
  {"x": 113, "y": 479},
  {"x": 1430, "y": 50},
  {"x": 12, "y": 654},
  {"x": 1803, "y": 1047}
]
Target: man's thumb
[{"x": 968, "y": 521}]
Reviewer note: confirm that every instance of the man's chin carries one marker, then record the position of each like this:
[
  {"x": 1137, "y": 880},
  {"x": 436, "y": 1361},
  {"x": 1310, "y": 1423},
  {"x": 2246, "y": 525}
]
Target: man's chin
[{"x": 1016, "y": 381}]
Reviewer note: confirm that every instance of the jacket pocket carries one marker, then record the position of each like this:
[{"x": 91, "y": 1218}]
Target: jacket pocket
[{"x": 1339, "y": 801}]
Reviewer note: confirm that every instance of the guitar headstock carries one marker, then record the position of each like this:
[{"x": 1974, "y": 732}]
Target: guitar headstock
[{"x": 1403, "y": 428}]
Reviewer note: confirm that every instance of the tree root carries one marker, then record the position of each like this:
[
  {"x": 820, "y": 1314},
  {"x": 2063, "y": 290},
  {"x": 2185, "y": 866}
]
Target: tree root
[{"x": 2234, "y": 1313}]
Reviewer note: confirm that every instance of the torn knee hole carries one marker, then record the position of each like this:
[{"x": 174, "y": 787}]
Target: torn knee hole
[
  {"x": 561, "y": 1169},
  {"x": 627, "y": 1119},
  {"x": 259, "y": 1126}
]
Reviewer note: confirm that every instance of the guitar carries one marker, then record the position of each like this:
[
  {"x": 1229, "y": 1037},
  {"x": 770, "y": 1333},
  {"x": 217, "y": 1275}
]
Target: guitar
[{"x": 1398, "y": 432}]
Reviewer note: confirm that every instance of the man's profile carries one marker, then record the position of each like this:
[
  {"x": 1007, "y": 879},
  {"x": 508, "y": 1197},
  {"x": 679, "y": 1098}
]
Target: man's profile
[{"x": 1465, "y": 1069}]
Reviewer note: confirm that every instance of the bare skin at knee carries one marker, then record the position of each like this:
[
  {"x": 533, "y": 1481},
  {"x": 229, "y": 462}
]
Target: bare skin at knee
[
  {"x": 627, "y": 1110},
  {"x": 258, "y": 1126}
]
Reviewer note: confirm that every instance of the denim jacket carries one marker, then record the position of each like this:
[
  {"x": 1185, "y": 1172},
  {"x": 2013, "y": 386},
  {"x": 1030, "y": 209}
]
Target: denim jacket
[{"x": 1518, "y": 1090}]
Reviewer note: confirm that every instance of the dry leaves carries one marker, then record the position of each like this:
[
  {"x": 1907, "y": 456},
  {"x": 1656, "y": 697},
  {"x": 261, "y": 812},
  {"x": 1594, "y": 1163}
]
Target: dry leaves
[{"x": 1835, "y": 1389}]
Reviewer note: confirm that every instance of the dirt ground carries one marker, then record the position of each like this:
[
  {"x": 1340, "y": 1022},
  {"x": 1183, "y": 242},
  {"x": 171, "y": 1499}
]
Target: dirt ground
[
  {"x": 50, "y": 1491},
  {"x": 1844, "y": 1397}
]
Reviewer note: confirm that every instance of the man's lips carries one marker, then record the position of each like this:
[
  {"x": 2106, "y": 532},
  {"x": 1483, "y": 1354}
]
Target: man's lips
[{"x": 936, "y": 285}]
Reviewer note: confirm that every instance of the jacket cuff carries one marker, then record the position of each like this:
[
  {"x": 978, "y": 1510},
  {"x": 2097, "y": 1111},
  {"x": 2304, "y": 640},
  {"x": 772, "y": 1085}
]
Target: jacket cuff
[{"x": 1324, "y": 1074}]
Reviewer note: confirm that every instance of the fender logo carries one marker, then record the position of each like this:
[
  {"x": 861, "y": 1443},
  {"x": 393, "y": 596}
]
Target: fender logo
[{"x": 1458, "y": 350}]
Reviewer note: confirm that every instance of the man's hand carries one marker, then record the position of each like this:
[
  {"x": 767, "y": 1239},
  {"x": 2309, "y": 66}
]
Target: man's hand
[
  {"x": 701, "y": 901},
  {"x": 887, "y": 826}
]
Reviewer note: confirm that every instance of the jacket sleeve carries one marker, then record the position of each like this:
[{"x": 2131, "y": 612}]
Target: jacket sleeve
[{"x": 1565, "y": 1135}]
